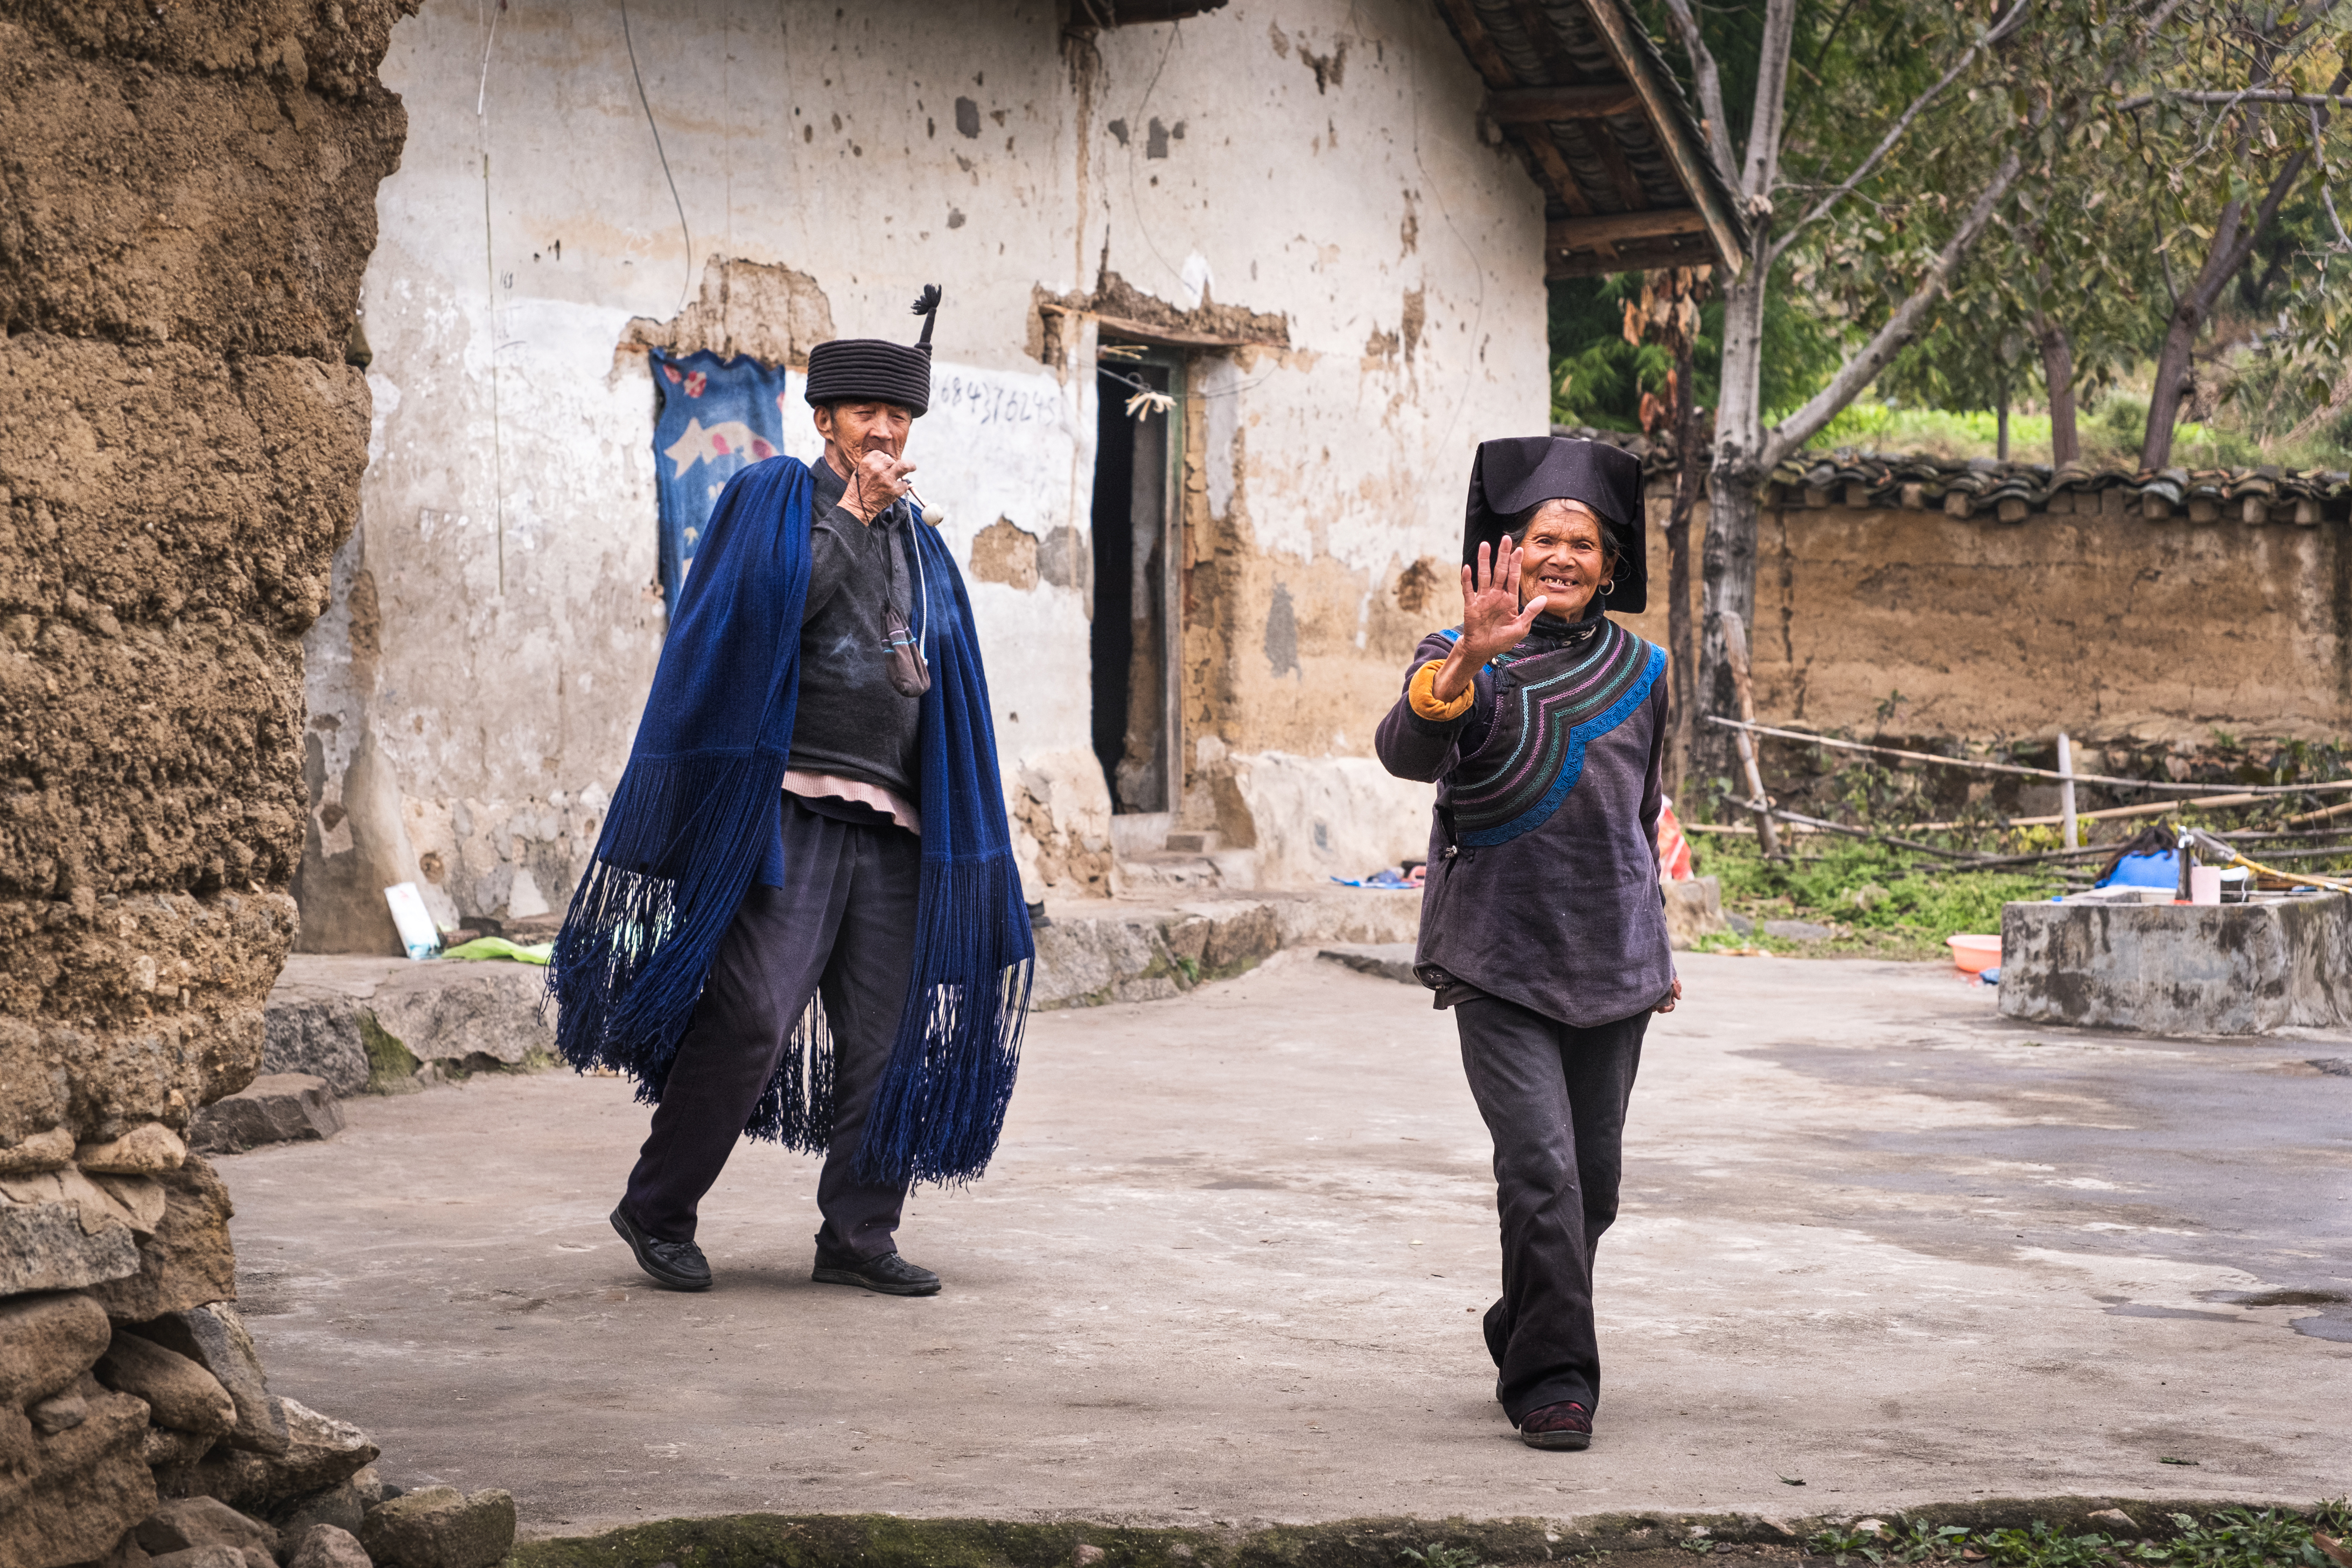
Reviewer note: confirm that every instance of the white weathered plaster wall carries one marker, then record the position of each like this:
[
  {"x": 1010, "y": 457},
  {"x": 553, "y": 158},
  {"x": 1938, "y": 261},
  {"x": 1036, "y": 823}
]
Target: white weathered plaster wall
[{"x": 508, "y": 541}]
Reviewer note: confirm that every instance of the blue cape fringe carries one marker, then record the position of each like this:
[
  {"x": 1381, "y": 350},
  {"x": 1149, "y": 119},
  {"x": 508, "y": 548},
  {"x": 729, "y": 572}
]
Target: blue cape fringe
[{"x": 698, "y": 809}]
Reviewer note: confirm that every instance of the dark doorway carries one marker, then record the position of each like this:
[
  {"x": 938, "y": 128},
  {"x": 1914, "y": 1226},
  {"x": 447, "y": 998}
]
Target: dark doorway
[{"x": 1130, "y": 637}]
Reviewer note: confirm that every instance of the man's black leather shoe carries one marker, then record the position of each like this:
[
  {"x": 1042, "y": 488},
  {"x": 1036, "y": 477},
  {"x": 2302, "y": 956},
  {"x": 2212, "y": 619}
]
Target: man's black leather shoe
[
  {"x": 672, "y": 1264},
  {"x": 891, "y": 1275}
]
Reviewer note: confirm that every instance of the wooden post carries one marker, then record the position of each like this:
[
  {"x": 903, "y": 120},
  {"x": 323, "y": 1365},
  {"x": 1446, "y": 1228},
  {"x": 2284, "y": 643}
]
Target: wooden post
[
  {"x": 2066, "y": 792},
  {"x": 1734, "y": 646}
]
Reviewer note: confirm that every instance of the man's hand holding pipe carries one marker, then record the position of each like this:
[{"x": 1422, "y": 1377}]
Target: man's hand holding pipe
[{"x": 875, "y": 484}]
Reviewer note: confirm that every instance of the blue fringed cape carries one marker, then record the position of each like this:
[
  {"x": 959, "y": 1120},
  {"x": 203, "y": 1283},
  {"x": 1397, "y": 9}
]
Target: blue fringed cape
[{"x": 698, "y": 808}]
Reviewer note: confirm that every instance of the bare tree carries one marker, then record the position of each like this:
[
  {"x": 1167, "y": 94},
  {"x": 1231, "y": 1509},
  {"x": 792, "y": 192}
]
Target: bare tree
[{"x": 2010, "y": 110}]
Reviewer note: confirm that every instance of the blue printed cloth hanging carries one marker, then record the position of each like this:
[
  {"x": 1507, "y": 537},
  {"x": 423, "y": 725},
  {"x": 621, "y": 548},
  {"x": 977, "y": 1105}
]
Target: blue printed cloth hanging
[{"x": 718, "y": 417}]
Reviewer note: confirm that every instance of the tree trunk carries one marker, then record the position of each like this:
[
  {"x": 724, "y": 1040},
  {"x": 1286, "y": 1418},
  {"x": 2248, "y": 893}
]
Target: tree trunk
[
  {"x": 1681, "y": 646},
  {"x": 2058, "y": 377},
  {"x": 2172, "y": 372},
  {"x": 1728, "y": 571},
  {"x": 2180, "y": 336},
  {"x": 2000, "y": 422},
  {"x": 2236, "y": 233},
  {"x": 1727, "y": 561}
]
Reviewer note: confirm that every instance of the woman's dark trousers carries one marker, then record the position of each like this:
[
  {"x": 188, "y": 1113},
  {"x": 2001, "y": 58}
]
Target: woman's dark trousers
[
  {"x": 844, "y": 926},
  {"x": 1554, "y": 1098}
]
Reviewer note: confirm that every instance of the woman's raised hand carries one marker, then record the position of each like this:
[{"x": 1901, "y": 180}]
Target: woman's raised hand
[{"x": 1492, "y": 620}]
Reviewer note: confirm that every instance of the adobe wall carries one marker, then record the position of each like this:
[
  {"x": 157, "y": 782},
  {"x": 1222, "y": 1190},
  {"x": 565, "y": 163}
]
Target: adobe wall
[
  {"x": 2112, "y": 627},
  {"x": 187, "y": 204},
  {"x": 2115, "y": 628},
  {"x": 1307, "y": 176}
]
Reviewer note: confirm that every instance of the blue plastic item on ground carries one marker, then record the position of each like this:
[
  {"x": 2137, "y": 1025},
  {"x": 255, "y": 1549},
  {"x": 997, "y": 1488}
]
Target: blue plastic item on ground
[{"x": 2161, "y": 871}]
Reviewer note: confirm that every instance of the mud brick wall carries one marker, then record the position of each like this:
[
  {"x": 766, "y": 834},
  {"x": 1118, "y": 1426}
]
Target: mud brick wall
[
  {"x": 2128, "y": 632},
  {"x": 186, "y": 204}
]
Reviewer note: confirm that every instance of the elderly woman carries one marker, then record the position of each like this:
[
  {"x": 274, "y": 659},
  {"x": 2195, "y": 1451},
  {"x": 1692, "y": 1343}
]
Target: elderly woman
[{"x": 1543, "y": 723}]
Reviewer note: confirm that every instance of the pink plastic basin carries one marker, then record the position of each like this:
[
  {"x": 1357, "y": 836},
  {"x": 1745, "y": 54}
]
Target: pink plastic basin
[{"x": 1974, "y": 952}]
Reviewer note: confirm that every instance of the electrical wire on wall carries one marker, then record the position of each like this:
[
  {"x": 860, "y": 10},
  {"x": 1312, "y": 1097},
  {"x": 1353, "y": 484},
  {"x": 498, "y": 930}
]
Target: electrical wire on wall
[
  {"x": 491, "y": 283},
  {"x": 686, "y": 287}
]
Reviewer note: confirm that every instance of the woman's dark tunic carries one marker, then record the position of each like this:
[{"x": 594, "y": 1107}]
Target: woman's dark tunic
[{"x": 1544, "y": 896}]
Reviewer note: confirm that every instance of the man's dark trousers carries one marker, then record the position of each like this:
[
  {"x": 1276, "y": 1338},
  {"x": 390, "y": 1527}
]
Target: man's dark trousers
[
  {"x": 1554, "y": 1099},
  {"x": 844, "y": 926}
]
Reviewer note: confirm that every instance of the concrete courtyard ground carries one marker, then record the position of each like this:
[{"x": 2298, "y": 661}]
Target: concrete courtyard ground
[{"x": 1229, "y": 1264}]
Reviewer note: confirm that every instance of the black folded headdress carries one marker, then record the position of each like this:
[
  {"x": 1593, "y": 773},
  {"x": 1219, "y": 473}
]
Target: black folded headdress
[
  {"x": 857, "y": 368},
  {"x": 1511, "y": 475}
]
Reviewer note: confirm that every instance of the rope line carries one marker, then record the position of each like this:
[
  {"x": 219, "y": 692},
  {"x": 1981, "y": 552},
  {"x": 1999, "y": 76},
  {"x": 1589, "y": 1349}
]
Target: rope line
[{"x": 2018, "y": 769}]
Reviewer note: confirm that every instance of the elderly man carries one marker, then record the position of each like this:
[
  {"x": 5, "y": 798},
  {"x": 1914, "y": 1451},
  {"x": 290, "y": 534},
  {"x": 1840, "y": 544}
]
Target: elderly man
[{"x": 809, "y": 818}]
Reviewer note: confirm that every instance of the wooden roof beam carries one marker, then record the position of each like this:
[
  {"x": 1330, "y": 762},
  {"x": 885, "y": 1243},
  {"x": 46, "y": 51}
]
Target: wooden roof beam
[
  {"x": 1719, "y": 226},
  {"x": 1562, "y": 69},
  {"x": 1620, "y": 174},
  {"x": 1556, "y": 172},
  {"x": 1551, "y": 169},
  {"x": 1637, "y": 256},
  {"x": 1543, "y": 105},
  {"x": 1477, "y": 45},
  {"x": 1616, "y": 229}
]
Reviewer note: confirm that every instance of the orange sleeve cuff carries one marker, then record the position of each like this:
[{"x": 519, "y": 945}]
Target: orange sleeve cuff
[{"x": 1421, "y": 692}]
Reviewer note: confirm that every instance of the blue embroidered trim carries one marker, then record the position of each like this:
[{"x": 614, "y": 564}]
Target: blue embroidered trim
[
  {"x": 1454, "y": 633},
  {"x": 1572, "y": 767}
]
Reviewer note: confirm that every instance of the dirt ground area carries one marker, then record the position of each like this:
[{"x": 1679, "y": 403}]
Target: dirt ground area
[{"x": 1229, "y": 1265}]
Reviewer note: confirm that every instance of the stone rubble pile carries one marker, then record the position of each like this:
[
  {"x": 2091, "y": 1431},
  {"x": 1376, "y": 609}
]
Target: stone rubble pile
[
  {"x": 336, "y": 1027},
  {"x": 136, "y": 1423}
]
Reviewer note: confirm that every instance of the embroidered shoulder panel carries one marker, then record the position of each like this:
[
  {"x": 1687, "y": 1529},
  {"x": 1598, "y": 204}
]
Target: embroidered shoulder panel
[{"x": 1534, "y": 753}]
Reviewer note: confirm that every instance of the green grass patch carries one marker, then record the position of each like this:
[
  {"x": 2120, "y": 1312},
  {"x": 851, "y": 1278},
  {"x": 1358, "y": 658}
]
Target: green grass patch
[
  {"x": 2001, "y": 1534},
  {"x": 2109, "y": 437},
  {"x": 2227, "y": 1538},
  {"x": 1875, "y": 899}
]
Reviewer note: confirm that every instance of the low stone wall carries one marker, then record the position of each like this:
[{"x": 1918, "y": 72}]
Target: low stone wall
[{"x": 392, "y": 1025}]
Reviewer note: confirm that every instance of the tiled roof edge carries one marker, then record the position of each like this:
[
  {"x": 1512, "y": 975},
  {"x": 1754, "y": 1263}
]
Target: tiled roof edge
[{"x": 2011, "y": 491}]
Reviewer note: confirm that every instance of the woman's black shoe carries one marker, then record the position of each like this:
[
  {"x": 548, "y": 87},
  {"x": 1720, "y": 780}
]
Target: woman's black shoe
[
  {"x": 672, "y": 1264},
  {"x": 1566, "y": 1424},
  {"x": 889, "y": 1274}
]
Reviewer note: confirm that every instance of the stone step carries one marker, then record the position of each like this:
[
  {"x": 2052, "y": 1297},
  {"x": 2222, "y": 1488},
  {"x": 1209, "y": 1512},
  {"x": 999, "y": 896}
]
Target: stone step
[
  {"x": 391, "y": 1025},
  {"x": 1388, "y": 960},
  {"x": 276, "y": 1108},
  {"x": 1100, "y": 951}
]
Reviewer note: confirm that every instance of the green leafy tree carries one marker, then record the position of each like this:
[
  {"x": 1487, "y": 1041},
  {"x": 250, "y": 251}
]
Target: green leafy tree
[
  {"x": 1977, "y": 352},
  {"x": 2236, "y": 124}
]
